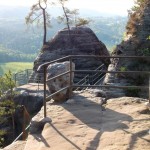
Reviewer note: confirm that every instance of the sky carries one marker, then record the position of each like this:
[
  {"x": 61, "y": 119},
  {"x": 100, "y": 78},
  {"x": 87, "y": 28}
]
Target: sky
[{"x": 118, "y": 7}]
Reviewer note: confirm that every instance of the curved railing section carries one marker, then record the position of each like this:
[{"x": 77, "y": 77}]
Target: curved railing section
[{"x": 70, "y": 71}]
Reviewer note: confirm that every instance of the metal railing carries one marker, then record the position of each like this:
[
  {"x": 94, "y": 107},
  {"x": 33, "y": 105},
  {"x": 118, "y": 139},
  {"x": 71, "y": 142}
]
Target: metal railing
[
  {"x": 94, "y": 79},
  {"x": 22, "y": 77},
  {"x": 83, "y": 81},
  {"x": 71, "y": 85}
]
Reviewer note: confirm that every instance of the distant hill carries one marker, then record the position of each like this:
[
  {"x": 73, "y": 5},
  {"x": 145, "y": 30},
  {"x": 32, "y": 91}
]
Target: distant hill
[
  {"x": 7, "y": 55},
  {"x": 17, "y": 38},
  {"x": 12, "y": 11}
]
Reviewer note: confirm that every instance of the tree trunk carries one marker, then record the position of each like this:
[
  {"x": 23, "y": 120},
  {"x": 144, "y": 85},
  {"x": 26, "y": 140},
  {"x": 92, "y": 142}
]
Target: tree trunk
[
  {"x": 45, "y": 29},
  {"x": 67, "y": 19}
]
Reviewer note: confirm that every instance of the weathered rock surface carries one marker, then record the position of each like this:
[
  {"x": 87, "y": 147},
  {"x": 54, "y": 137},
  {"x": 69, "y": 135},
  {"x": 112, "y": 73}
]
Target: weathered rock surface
[
  {"x": 137, "y": 32},
  {"x": 82, "y": 42},
  {"x": 18, "y": 145},
  {"x": 61, "y": 82},
  {"x": 32, "y": 105},
  {"x": 136, "y": 43},
  {"x": 81, "y": 124},
  {"x": 113, "y": 80},
  {"x": 37, "y": 124}
]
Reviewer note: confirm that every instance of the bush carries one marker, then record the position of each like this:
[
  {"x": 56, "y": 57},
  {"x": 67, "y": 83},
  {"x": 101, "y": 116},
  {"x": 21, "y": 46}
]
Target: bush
[
  {"x": 7, "y": 106},
  {"x": 132, "y": 92},
  {"x": 144, "y": 52}
]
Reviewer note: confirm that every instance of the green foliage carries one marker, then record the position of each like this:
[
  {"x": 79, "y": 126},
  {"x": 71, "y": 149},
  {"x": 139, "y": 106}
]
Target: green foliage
[
  {"x": 71, "y": 17},
  {"x": 82, "y": 22},
  {"x": 7, "y": 106},
  {"x": 123, "y": 68},
  {"x": 36, "y": 14},
  {"x": 26, "y": 46},
  {"x": 138, "y": 4},
  {"x": 14, "y": 67},
  {"x": 40, "y": 15},
  {"x": 132, "y": 92},
  {"x": 2, "y": 133},
  {"x": 109, "y": 30},
  {"x": 6, "y": 83},
  {"x": 144, "y": 52},
  {"x": 7, "y": 55},
  {"x": 136, "y": 16}
]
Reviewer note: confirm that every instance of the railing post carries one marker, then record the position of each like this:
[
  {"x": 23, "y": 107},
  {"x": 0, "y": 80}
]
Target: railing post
[
  {"x": 44, "y": 100},
  {"x": 27, "y": 75},
  {"x": 15, "y": 78},
  {"x": 70, "y": 80}
]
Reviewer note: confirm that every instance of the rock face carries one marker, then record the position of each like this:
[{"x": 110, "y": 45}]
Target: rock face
[
  {"x": 32, "y": 104},
  {"x": 135, "y": 43},
  {"x": 61, "y": 82},
  {"x": 137, "y": 32},
  {"x": 82, "y": 41}
]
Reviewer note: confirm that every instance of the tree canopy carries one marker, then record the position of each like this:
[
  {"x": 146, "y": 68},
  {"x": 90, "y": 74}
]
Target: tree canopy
[{"x": 39, "y": 15}]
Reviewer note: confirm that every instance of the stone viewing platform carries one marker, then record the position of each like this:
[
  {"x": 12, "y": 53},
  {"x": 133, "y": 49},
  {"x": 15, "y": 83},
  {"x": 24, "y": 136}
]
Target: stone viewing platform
[{"x": 81, "y": 123}]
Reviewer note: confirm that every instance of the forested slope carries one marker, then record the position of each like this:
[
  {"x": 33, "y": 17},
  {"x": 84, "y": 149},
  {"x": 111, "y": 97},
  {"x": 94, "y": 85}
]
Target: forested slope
[{"x": 19, "y": 43}]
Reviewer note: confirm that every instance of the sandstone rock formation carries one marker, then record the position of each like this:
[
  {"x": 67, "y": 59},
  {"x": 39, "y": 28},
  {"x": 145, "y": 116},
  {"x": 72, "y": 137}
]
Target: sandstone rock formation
[
  {"x": 82, "y": 41},
  {"x": 81, "y": 124},
  {"x": 61, "y": 82},
  {"x": 32, "y": 104},
  {"x": 135, "y": 43},
  {"x": 136, "y": 40},
  {"x": 18, "y": 145}
]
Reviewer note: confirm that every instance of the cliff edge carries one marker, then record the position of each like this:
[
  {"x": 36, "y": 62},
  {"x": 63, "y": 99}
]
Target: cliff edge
[{"x": 81, "y": 123}]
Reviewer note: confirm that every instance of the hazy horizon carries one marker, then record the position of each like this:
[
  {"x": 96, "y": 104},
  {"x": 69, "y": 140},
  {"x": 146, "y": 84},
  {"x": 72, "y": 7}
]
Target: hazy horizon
[{"x": 113, "y": 7}]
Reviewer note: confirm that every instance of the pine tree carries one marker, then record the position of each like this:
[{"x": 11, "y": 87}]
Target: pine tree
[{"x": 39, "y": 15}]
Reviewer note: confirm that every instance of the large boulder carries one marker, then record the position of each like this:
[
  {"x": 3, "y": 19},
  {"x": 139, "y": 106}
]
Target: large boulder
[
  {"x": 60, "y": 82},
  {"x": 33, "y": 103},
  {"x": 82, "y": 41}
]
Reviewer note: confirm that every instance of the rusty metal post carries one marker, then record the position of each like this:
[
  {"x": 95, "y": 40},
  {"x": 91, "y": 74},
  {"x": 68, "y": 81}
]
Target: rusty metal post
[
  {"x": 70, "y": 80},
  {"x": 44, "y": 99},
  {"x": 23, "y": 126},
  {"x": 27, "y": 75},
  {"x": 15, "y": 79}
]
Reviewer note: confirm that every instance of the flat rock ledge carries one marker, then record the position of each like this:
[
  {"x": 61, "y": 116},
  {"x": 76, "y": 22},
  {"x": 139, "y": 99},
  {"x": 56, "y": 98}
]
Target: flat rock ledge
[{"x": 82, "y": 124}]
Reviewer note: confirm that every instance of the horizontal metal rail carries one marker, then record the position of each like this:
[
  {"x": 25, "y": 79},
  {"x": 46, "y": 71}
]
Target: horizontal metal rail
[
  {"x": 103, "y": 71},
  {"x": 95, "y": 56},
  {"x": 89, "y": 56},
  {"x": 58, "y": 76},
  {"x": 50, "y": 96},
  {"x": 54, "y": 61},
  {"x": 112, "y": 86},
  {"x": 72, "y": 57}
]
